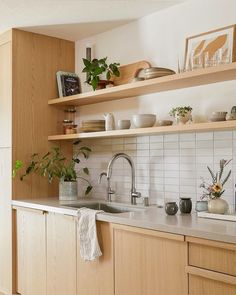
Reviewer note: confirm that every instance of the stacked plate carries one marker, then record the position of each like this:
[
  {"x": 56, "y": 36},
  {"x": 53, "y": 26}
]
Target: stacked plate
[
  {"x": 93, "y": 125},
  {"x": 155, "y": 72}
]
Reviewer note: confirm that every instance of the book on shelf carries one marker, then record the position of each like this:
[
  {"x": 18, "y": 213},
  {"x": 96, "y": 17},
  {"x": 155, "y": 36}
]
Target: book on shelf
[{"x": 68, "y": 83}]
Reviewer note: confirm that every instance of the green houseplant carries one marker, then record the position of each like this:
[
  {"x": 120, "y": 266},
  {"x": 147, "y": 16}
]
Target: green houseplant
[
  {"x": 54, "y": 165},
  {"x": 181, "y": 114},
  {"x": 95, "y": 68}
]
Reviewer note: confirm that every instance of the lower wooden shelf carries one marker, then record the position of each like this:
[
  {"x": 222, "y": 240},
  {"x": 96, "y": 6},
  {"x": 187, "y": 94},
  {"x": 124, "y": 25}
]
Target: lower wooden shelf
[{"x": 195, "y": 127}]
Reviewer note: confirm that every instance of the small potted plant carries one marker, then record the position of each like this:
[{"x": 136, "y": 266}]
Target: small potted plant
[
  {"x": 54, "y": 165},
  {"x": 95, "y": 68},
  {"x": 212, "y": 192},
  {"x": 182, "y": 114}
]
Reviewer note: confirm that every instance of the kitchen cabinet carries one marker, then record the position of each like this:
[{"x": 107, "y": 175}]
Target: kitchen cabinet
[
  {"x": 211, "y": 267},
  {"x": 149, "y": 262},
  {"x": 31, "y": 252},
  {"x": 96, "y": 277},
  {"x": 61, "y": 254}
]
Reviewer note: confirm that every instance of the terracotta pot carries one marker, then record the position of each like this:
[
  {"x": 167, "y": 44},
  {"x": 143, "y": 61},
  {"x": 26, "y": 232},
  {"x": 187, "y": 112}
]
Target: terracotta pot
[
  {"x": 217, "y": 206},
  {"x": 68, "y": 190},
  {"x": 103, "y": 83}
]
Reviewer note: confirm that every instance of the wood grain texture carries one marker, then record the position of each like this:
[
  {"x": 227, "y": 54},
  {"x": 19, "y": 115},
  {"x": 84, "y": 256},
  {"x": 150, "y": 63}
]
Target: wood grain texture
[
  {"x": 172, "y": 82},
  {"x": 147, "y": 265},
  {"x": 202, "y": 286},
  {"x": 61, "y": 254},
  {"x": 196, "y": 127},
  {"x": 36, "y": 59},
  {"x": 31, "y": 252},
  {"x": 213, "y": 257},
  {"x": 96, "y": 277}
]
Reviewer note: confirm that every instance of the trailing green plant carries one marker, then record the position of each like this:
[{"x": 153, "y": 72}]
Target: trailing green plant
[
  {"x": 96, "y": 67},
  {"x": 54, "y": 165},
  {"x": 180, "y": 111}
]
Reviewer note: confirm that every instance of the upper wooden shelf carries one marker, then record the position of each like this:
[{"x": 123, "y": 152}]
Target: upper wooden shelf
[
  {"x": 195, "y": 127},
  {"x": 172, "y": 82}
]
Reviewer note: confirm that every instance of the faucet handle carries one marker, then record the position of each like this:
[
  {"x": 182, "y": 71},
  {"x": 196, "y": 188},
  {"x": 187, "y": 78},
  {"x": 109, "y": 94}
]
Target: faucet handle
[
  {"x": 100, "y": 177},
  {"x": 134, "y": 196}
]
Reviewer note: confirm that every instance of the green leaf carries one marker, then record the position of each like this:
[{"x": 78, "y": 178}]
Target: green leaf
[
  {"x": 94, "y": 83},
  {"x": 226, "y": 178},
  {"x": 88, "y": 190},
  {"x": 76, "y": 160},
  {"x": 85, "y": 148},
  {"x": 86, "y": 62},
  {"x": 212, "y": 174},
  {"x": 108, "y": 76},
  {"x": 77, "y": 142},
  {"x": 86, "y": 171}
]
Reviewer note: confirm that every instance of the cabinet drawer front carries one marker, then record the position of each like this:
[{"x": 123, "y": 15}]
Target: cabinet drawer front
[
  {"x": 203, "y": 286},
  {"x": 220, "y": 257}
]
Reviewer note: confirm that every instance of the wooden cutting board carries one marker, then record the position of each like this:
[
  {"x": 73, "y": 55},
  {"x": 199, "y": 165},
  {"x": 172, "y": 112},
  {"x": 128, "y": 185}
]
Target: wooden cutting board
[{"x": 128, "y": 72}]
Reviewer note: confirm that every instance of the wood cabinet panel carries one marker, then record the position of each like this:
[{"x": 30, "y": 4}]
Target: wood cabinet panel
[
  {"x": 96, "y": 277},
  {"x": 31, "y": 252},
  {"x": 146, "y": 264},
  {"x": 61, "y": 254},
  {"x": 203, "y": 286},
  {"x": 215, "y": 256}
]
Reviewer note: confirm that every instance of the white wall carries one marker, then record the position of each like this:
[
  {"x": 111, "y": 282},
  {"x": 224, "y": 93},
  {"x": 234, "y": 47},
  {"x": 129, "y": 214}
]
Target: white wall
[{"x": 160, "y": 39}]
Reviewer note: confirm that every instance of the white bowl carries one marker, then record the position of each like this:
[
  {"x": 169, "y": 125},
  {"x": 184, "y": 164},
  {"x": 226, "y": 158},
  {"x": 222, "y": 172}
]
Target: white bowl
[{"x": 144, "y": 120}]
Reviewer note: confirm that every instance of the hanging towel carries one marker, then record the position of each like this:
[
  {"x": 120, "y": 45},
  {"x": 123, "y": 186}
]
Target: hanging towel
[{"x": 89, "y": 246}]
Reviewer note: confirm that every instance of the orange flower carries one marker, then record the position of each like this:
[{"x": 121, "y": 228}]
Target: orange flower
[{"x": 217, "y": 187}]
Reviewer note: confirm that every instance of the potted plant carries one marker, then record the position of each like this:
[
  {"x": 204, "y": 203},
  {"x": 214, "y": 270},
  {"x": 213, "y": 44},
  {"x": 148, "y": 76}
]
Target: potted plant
[
  {"x": 214, "y": 191},
  {"x": 54, "y": 165},
  {"x": 97, "y": 67},
  {"x": 182, "y": 114}
]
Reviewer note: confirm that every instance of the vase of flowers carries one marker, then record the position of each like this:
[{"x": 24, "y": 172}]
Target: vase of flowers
[
  {"x": 213, "y": 192},
  {"x": 182, "y": 115}
]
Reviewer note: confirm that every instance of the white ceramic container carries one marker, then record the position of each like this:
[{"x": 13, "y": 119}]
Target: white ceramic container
[{"x": 144, "y": 120}]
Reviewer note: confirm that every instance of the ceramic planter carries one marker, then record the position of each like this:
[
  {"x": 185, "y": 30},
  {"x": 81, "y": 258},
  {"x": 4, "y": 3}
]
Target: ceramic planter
[
  {"x": 185, "y": 205},
  {"x": 201, "y": 206},
  {"x": 67, "y": 190},
  {"x": 171, "y": 208},
  {"x": 217, "y": 206},
  {"x": 183, "y": 119}
]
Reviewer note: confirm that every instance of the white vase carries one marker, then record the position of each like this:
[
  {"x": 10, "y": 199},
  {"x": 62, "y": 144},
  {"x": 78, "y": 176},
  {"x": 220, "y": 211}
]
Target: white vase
[
  {"x": 184, "y": 119},
  {"x": 68, "y": 190},
  {"x": 218, "y": 206}
]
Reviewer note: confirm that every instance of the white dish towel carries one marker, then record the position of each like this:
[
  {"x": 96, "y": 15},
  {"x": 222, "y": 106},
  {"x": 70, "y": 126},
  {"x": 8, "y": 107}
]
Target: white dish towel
[{"x": 89, "y": 246}]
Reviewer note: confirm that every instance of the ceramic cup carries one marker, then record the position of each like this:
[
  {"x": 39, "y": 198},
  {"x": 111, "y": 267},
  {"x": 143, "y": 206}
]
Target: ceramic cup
[
  {"x": 171, "y": 208},
  {"x": 201, "y": 206},
  {"x": 123, "y": 124},
  {"x": 185, "y": 205}
]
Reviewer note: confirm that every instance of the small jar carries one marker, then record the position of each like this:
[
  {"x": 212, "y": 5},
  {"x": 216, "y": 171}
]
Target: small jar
[
  {"x": 69, "y": 127},
  {"x": 70, "y": 114},
  {"x": 185, "y": 205},
  {"x": 171, "y": 208},
  {"x": 201, "y": 206}
]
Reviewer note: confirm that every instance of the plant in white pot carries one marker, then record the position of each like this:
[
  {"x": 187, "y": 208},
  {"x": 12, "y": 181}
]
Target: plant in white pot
[
  {"x": 54, "y": 165},
  {"x": 182, "y": 115},
  {"x": 214, "y": 191}
]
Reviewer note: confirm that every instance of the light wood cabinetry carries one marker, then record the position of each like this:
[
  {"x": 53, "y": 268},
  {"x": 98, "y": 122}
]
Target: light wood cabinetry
[
  {"x": 97, "y": 277},
  {"x": 211, "y": 267},
  {"x": 61, "y": 254},
  {"x": 31, "y": 252},
  {"x": 149, "y": 262}
]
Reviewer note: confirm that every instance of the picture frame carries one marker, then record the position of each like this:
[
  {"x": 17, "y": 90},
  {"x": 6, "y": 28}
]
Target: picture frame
[
  {"x": 210, "y": 48},
  {"x": 68, "y": 83}
]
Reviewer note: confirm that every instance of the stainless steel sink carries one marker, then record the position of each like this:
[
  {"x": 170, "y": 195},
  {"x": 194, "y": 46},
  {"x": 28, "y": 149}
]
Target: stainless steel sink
[{"x": 106, "y": 207}]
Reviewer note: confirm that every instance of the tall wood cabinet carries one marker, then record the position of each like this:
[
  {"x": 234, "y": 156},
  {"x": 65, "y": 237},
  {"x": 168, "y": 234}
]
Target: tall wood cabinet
[{"x": 28, "y": 64}]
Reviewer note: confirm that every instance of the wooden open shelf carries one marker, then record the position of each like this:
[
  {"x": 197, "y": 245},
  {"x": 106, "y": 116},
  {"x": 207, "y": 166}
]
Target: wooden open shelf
[
  {"x": 172, "y": 82},
  {"x": 195, "y": 127}
]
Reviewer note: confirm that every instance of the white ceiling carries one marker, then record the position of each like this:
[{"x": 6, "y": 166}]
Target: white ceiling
[{"x": 75, "y": 19}]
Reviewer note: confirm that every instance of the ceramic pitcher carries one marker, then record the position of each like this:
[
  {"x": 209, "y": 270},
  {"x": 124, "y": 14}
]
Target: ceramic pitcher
[{"x": 109, "y": 121}]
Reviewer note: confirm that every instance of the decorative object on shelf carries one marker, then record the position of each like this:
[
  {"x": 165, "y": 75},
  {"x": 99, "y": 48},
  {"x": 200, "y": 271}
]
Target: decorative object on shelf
[
  {"x": 123, "y": 124},
  {"x": 232, "y": 115},
  {"x": 185, "y": 205},
  {"x": 201, "y": 206},
  {"x": 69, "y": 126},
  {"x": 164, "y": 123},
  {"x": 68, "y": 83},
  {"x": 211, "y": 48},
  {"x": 182, "y": 114},
  {"x": 109, "y": 121},
  {"x": 93, "y": 125},
  {"x": 218, "y": 116},
  {"x": 95, "y": 68},
  {"x": 213, "y": 191},
  {"x": 171, "y": 208},
  {"x": 54, "y": 165},
  {"x": 155, "y": 72},
  {"x": 144, "y": 120}
]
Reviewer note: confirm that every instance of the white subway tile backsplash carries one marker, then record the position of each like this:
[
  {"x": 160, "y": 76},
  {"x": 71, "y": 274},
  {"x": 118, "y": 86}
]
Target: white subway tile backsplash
[
  {"x": 143, "y": 139},
  {"x": 221, "y": 135},
  {"x": 156, "y": 145},
  {"x": 171, "y": 138},
  {"x": 187, "y": 144},
  {"x": 156, "y": 138},
  {"x": 204, "y": 136},
  {"x": 187, "y": 137}
]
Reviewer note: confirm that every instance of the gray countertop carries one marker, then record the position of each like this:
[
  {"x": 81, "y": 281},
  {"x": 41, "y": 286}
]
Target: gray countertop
[{"x": 149, "y": 217}]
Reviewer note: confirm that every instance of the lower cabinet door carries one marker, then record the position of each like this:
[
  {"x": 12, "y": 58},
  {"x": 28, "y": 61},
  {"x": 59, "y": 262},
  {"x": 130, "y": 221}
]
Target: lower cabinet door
[
  {"x": 31, "y": 252},
  {"x": 96, "y": 277},
  {"x": 204, "y": 286},
  {"x": 149, "y": 262},
  {"x": 61, "y": 254}
]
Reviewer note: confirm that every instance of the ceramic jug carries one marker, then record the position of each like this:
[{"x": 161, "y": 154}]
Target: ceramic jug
[{"x": 109, "y": 121}]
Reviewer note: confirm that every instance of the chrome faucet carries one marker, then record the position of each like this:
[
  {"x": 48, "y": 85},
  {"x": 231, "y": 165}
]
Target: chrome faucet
[{"x": 134, "y": 194}]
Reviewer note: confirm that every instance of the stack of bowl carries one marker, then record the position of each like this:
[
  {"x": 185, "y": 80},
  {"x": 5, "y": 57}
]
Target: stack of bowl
[
  {"x": 155, "y": 72},
  {"x": 218, "y": 116},
  {"x": 93, "y": 125}
]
